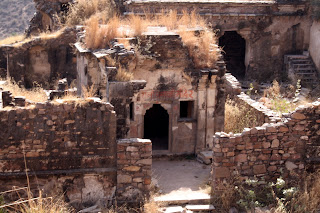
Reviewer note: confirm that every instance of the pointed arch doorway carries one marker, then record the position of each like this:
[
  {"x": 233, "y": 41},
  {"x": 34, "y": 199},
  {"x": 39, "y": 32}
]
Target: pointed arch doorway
[{"x": 156, "y": 127}]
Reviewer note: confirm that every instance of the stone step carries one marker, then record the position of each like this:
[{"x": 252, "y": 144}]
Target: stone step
[
  {"x": 308, "y": 69},
  {"x": 195, "y": 199},
  {"x": 306, "y": 74},
  {"x": 187, "y": 209},
  {"x": 305, "y": 71},
  {"x": 296, "y": 57},
  {"x": 171, "y": 209},
  {"x": 301, "y": 61},
  {"x": 201, "y": 208},
  {"x": 303, "y": 65},
  {"x": 205, "y": 157}
]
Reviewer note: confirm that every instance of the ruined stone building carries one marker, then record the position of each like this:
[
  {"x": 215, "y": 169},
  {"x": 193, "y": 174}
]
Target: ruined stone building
[
  {"x": 255, "y": 35},
  {"x": 169, "y": 100}
]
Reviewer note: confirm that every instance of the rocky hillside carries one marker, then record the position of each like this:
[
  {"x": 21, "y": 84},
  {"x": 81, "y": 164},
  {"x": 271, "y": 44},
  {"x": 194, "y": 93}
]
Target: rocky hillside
[{"x": 15, "y": 16}]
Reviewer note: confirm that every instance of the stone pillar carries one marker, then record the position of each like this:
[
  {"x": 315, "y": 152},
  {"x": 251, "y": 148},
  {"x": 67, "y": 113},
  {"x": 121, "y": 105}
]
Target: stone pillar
[
  {"x": 7, "y": 99},
  {"x": 134, "y": 160},
  {"x": 201, "y": 116}
]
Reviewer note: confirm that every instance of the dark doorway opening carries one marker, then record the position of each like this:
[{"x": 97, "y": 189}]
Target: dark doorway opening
[
  {"x": 234, "y": 50},
  {"x": 156, "y": 127}
]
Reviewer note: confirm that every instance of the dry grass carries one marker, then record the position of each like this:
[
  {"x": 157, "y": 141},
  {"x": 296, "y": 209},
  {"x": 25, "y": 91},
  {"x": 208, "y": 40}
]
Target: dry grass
[
  {"x": 123, "y": 75},
  {"x": 201, "y": 46},
  {"x": 19, "y": 40},
  {"x": 308, "y": 199},
  {"x": 99, "y": 35},
  {"x": 274, "y": 91},
  {"x": 36, "y": 94},
  {"x": 83, "y": 10},
  {"x": 36, "y": 205},
  {"x": 89, "y": 92},
  {"x": 238, "y": 117},
  {"x": 12, "y": 39}
]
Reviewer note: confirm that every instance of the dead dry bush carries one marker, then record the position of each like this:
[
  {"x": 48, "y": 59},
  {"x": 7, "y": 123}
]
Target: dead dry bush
[
  {"x": 201, "y": 45},
  {"x": 238, "y": 117}
]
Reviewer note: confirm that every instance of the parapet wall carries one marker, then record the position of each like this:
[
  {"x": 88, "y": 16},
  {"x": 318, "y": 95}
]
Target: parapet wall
[
  {"x": 261, "y": 112},
  {"x": 70, "y": 149},
  {"x": 269, "y": 151},
  {"x": 57, "y": 137}
]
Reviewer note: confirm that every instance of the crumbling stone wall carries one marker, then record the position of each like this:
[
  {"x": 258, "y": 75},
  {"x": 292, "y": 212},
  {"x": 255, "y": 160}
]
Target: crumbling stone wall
[
  {"x": 134, "y": 160},
  {"x": 47, "y": 15},
  {"x": 68, "y": 147},
  {"x": 164, "y": 74},
  {"x": 283, "y": 149},
  {"x": 121, "y": 94},
  {"x": 261, "y": 112},
  {"x": 42, "y": 60},
  {"x": 270, "y": 29}
]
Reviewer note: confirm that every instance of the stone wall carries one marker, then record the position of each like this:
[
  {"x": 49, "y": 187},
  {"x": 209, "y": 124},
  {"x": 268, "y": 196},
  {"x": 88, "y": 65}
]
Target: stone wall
[
  {"x": 42, "y": 60},
  {"x": 134, "y": 159},
  {"x": 232, "y": 85},
  {"x": 272, "y": 150},
  {"x": 261, "y": 112},
  {"x": 120, "y": 96},
  {"x": 315, "y": 43},
  {"x": 68, "y": 147}
]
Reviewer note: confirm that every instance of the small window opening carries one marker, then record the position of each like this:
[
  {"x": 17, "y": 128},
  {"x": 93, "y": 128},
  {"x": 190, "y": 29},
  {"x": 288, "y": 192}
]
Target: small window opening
[
  {"x": 186, "y": 109},
  {"x": 131, "y": 111}
]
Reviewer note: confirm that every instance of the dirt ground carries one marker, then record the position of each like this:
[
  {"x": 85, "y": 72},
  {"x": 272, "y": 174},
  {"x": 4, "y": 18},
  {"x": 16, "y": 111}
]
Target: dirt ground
[{"x": 180, "y": 176}]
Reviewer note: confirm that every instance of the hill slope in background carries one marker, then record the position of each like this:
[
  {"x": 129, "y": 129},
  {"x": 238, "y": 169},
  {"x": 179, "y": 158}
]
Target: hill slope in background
[{"x": 15, "y": 16}]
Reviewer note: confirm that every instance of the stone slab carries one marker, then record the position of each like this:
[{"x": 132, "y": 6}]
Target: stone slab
[{"x": 199, "y": 207}]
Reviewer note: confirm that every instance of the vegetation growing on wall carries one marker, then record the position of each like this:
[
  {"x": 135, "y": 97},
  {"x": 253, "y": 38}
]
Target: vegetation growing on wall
[
  {"x": 36, "y": 94},
  {"x": 201, "y": 43},
  {"x": 238, "y": 117},
  {"x": 280, "y": 197},
  {"x": 18, "y": 40},
  {"x": 82, "y": 10}
]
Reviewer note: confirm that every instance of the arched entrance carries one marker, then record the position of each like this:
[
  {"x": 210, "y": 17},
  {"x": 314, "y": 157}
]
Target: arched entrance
[
  {"x": 156, "y": 127},
  {"x": 234, "y": 50}
]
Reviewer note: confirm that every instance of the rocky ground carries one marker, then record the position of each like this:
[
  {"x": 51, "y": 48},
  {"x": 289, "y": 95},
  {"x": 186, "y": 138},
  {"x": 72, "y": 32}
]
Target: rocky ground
[{"x": 15, "y": 16}]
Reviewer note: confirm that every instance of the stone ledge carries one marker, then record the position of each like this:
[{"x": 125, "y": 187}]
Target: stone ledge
[
  {"x": 59, "y": 172},
  {"x": 135, "y": 141}
]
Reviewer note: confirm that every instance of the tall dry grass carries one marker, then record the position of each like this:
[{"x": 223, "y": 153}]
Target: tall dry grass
[
  {"x": 308, "y": 198},
  {"x": 238, "y": 117},
  {"x": 201, "y": 45},
  {"x": 82, "y": 10},
  {"x": 36, "y": 94},
  {"x": 123, "y": 75}
]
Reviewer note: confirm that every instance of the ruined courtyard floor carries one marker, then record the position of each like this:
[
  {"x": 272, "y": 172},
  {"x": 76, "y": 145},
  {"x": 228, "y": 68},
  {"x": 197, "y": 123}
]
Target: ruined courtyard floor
[{"x": 181, "y": 179}]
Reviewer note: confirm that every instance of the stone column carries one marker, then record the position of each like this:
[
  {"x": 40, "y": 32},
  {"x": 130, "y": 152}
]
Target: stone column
[{"x": 134, "y": 160}]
